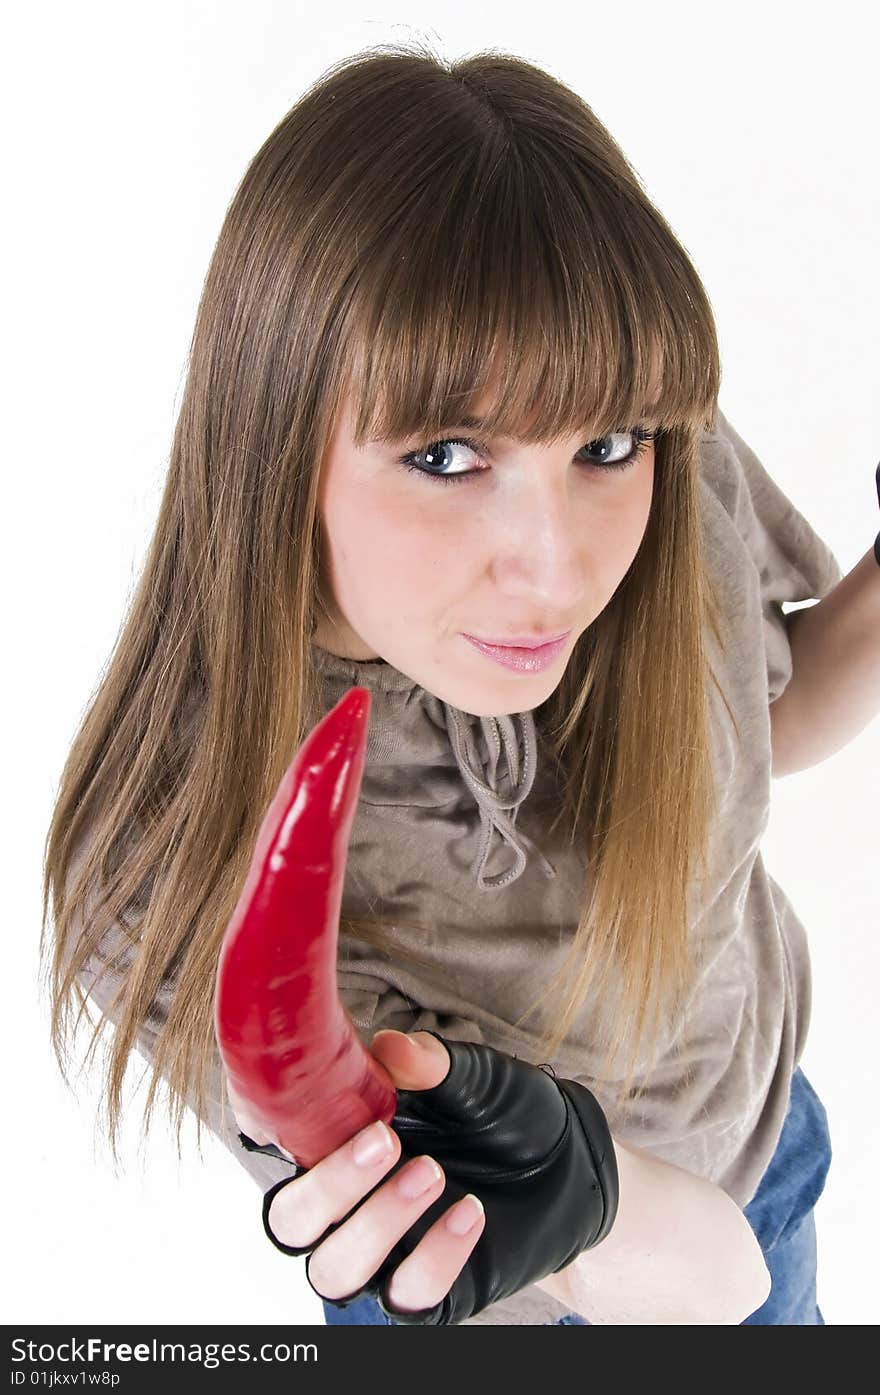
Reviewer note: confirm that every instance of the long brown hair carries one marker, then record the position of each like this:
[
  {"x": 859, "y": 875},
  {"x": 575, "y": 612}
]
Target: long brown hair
[{"x": 409, "y": 229}]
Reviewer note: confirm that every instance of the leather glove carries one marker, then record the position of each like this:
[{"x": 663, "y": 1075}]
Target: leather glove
[{"x": 536, "y": 1150}]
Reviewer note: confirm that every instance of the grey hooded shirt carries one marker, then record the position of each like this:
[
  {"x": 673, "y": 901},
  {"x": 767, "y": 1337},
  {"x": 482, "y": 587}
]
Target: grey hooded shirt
[{"x": 450, "y": 842}]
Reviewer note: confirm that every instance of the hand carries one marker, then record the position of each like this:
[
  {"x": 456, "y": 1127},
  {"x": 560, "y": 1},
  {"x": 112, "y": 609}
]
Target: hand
[
  {"x": 537, "y": 1148},
  {"x": 324, "y": 1201}
]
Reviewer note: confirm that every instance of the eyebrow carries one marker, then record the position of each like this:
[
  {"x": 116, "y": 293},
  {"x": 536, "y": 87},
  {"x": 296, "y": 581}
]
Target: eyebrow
[
  {"x": 469, "y": 423},
  {"x": 478, "y": 423}
]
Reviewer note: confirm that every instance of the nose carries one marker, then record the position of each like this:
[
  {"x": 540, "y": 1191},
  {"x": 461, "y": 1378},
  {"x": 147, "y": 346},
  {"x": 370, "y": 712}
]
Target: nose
[{"x": 539, "y": 550}]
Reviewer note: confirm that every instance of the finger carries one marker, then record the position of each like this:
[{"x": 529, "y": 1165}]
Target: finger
[
  {"x": 344, "y": 1262},
  {"x": 426, "y": 1276},
  {"x": 300, "y": 1212},
  {"x": 415, "y": 1062}
]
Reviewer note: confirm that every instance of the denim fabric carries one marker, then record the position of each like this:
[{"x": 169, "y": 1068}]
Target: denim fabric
[
  {"x": 780, "y": 1214},
  {"x": 781, "y": 1211}
]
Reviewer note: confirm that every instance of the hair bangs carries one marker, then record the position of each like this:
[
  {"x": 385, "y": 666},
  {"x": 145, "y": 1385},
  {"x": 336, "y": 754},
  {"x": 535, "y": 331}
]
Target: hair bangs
[{"x": 510, "y": 308}]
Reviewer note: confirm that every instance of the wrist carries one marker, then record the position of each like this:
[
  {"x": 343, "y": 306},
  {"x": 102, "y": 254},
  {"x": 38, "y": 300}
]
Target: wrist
[{"x": 660, "y": 1263}]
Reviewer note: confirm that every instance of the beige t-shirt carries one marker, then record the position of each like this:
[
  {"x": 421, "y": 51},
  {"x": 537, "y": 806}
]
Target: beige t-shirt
[{"x": 450, "y": 833}]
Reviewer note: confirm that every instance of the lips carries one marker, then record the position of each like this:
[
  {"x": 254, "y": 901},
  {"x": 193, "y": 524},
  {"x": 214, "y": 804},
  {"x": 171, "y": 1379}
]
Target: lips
[
  {"x": 520, "y": 641},
  {"x": 519, "y": 657}
]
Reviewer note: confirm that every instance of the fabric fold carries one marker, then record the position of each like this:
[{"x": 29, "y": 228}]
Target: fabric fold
[
  {"x": 479, "y": 744},
  {"x": 497, "y": 757}
]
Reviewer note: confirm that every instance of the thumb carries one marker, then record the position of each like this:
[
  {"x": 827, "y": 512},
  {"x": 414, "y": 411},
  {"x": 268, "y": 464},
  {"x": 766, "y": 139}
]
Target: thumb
[{"x": 414, "y": 1062}]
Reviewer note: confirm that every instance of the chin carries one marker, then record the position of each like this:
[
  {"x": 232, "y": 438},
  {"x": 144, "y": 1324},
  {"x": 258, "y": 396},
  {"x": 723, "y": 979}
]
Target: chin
[{"x": 518, "y": 698}]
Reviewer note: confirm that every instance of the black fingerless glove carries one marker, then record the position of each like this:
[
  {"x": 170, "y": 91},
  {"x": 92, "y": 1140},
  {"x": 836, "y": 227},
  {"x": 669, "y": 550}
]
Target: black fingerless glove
[{"x": 536, "y": 1150}]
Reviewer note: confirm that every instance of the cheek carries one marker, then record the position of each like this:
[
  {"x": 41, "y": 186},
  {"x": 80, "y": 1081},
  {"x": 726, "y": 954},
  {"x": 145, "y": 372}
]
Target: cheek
[
  {"x": 638, "y": 513},
  {"x": 638, "y": 503},
  {"x": 383, "y": 542},
  {"x": 621, "y": 524}
]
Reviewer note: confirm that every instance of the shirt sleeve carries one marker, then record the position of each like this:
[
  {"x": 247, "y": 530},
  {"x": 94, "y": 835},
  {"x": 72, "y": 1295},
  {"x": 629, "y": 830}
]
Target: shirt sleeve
[{"x": 792, "y": 561}]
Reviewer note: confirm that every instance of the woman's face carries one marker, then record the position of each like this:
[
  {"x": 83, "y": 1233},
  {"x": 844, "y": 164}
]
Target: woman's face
[{"x": 536, "y": 542}]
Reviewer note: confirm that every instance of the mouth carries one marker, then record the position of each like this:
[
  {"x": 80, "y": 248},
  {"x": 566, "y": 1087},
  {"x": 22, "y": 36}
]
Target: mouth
[
  {"x": 519, "y": 657},
  {"x": 520, "y": 641}
]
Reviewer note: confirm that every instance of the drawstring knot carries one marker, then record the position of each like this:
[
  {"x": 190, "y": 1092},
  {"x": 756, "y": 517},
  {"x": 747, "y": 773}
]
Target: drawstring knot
[{"x": 478, "y": 744}]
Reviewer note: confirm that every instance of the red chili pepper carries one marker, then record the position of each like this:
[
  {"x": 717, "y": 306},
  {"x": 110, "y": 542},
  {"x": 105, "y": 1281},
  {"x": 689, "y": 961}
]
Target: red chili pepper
[{"x": 286, "y": 1040}]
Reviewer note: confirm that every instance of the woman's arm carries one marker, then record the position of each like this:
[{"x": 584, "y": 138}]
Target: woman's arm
[
  {"x": 680, "y": 1252},
  {"x": 834, "y": 690}
]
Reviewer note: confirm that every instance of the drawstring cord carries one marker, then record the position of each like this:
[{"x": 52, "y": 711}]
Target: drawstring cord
[{"x": 480, "y": 770}]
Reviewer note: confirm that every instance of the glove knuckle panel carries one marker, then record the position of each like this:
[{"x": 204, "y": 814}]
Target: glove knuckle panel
[{"x": 489, "y": 1105}]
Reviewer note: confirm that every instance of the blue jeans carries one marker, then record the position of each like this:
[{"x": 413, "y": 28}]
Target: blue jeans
[{"x": 780, "y": 1214}]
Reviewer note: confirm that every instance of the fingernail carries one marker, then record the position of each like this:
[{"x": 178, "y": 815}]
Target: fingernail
[
  {"x": 371, "y": 1145},
  {"x": 415, "y": 1180},
  {"x": 465, "y": 1215}
]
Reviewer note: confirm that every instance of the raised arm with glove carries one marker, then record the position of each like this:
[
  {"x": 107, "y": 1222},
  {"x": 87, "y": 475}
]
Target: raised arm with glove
[{"x": 536, "y": 1150}]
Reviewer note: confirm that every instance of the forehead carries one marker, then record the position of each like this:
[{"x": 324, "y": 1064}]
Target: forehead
[
  {"x": 478, "y": 406},
  {"x": 483, "y": 404}
]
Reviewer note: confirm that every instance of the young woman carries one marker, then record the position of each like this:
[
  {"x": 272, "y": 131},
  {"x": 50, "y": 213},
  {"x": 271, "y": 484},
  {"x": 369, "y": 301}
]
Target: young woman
[{"x": 438, "y": 274}]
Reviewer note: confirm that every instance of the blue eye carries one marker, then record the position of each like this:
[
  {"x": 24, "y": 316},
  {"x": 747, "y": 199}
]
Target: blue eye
[{"x": 432, "y": 455}]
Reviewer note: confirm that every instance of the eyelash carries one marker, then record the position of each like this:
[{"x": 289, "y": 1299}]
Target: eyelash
[{"x": 643, "y": 438}]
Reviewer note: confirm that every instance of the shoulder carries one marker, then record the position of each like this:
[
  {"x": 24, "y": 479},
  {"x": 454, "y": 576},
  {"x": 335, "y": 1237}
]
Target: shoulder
[
  {"x": 729, "y": 471},
  {"x": 783, "y": 544},
  {"x": 730, "y": 526}
]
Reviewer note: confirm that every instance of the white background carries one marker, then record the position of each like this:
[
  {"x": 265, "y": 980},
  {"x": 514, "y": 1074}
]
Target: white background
[{"x": 126, "y": 130}]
